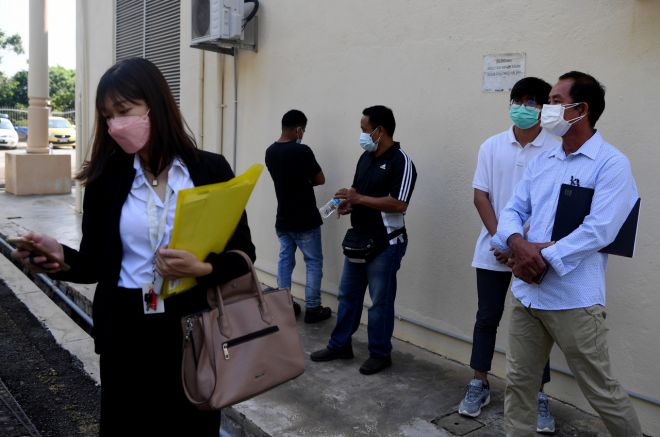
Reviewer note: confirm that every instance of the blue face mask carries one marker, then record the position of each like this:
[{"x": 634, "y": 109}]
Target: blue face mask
[
  {"x": 523, "y": 116},
  {"x": 367, "y": 143}
]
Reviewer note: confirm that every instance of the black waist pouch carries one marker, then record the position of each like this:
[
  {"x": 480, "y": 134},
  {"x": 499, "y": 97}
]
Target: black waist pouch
[{"x": 360, "y": 247}]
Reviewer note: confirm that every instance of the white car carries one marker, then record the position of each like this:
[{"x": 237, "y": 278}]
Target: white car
[{"x": 8, "y": 135}]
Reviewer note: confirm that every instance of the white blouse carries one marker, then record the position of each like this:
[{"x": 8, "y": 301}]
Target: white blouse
[{"x": 138, "y": 255}]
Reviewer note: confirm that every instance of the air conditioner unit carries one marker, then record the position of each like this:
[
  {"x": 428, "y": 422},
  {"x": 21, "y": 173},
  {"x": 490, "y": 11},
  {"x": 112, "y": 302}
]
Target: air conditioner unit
[{"x": 214, "y": 20}]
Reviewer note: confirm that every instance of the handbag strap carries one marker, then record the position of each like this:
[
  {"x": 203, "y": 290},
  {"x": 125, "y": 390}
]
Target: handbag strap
[{"x": 223, "y": 322}]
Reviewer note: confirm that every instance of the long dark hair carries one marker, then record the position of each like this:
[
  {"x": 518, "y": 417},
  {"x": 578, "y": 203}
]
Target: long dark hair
[{"x": 139, "y": 79}]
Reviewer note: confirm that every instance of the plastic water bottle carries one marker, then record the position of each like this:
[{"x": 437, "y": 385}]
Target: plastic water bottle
[{"x": 327, "y": 209}]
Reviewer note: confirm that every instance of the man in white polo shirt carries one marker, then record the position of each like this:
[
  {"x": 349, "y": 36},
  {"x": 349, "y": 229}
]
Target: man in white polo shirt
[{"x": 502, "y": 160}]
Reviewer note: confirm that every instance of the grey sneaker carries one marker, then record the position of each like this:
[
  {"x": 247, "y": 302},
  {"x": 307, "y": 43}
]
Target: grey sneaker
[
  {"x": 545, "y": 423},
  {"x": 477, "y": 395}
]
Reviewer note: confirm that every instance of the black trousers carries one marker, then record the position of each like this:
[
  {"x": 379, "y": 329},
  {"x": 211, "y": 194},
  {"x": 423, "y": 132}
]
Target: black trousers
[
  {"x": 492, "y": 288},
  {"x": 141, "y": 390}
]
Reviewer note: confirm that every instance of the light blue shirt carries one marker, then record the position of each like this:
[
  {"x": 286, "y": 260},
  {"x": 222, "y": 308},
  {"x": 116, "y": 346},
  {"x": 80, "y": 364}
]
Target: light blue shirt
[{"x": 576, "y": 278}]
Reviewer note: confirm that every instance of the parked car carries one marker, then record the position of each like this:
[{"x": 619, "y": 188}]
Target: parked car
[
  {"x": 8, "y": 135},
  {"x": 22, "y": 133},
  {"x": 61, "y": 132}
]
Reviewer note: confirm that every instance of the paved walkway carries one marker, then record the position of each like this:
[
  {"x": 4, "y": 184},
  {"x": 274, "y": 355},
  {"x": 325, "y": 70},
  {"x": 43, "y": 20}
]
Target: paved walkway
[{"x": 418, "y": 396}]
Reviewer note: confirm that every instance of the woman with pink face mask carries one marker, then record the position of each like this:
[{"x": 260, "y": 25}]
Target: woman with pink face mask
[{"x": 142, "y": 155}]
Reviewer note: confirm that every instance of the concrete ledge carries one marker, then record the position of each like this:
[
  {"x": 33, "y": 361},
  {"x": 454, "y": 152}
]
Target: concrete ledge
[
  {"x": 33, "y": 173},
  {"x": 237, "y": 425}
]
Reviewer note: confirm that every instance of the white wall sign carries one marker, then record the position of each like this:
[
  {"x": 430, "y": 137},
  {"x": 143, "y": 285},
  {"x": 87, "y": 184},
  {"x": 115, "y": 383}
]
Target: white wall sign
[{"x": 502, "y": 71}]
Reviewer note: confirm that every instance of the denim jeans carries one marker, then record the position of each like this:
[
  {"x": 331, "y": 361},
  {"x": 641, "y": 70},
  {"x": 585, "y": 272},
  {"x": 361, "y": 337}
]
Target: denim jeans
[
  {"x": 309, "y": 243},
  {"x": 492, "y": 289},
  {"x": 380, "y": 275}
]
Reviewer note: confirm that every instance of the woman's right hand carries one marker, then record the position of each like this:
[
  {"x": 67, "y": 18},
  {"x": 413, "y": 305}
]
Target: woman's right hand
[{"x": 37, "y": 262}]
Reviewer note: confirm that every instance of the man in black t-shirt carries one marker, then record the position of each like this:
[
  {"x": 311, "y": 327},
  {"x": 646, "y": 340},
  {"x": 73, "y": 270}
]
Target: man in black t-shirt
[
  {"x": 377, "y": 201},
  {"x": 295, "y": 172}
]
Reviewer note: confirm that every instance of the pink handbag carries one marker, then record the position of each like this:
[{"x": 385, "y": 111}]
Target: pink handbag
[{"x": 246, "y": 344}]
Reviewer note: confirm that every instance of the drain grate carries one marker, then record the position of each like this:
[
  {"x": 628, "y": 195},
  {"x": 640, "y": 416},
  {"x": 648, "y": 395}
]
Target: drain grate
[{"x": 457, "y": 424}]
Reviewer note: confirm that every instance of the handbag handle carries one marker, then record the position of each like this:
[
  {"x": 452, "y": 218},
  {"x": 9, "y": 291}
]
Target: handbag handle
[
  {"x": 223, "y": 321},
  {"x": 210, "y": 353}
]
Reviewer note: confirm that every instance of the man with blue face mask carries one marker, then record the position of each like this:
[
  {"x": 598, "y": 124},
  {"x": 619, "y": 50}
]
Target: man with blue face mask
[
  {"x": 566, "y": 305},
  {"x": 501, "y": 162},
  {"x": 377, "y": 201}
]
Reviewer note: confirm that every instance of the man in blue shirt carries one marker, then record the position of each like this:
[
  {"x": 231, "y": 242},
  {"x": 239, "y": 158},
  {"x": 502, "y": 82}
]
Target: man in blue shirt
[{"x": 567, "y": 307}]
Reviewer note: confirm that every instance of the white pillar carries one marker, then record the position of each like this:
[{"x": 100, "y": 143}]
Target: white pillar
[
  {"x": 38, "y": 78},
  {"x": 37, "y": 172}
]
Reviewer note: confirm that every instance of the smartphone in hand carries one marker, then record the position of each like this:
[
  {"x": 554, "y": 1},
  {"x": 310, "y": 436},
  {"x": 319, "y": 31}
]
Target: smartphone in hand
[{"x": 25, "y": 244}]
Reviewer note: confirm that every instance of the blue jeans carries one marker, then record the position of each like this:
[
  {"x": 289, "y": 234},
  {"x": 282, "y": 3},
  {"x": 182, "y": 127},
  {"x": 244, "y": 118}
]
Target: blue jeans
[
  {"x": 380, "y": 275},
  {"x": 309, "y": 243}
]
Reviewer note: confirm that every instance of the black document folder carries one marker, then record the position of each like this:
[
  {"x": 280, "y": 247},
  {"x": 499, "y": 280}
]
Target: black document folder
[{"x": 575, "y": 204}]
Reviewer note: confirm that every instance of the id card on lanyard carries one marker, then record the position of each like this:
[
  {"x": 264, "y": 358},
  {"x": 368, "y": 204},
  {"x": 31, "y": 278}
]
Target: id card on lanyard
[{"x": 151, "y": 292}]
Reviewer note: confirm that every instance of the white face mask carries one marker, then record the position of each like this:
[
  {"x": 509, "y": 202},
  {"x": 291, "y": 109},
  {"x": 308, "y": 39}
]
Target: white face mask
[{"x": 552, "y": 118}]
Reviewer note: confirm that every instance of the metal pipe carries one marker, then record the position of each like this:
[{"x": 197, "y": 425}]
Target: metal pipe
[
  {"x": 464, "y": 339},
  {"x": 235, "y": 106},
  {"x": 221, "y": 98},
  {"x": 200, "y": 105},
  {"x": 51, "y": 285},
  {"x": 66, "y": 299},
  {"x": 82, "y": 87}
]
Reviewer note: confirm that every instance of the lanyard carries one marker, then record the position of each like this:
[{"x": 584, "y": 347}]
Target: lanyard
[{"x": 156, "y": 224}]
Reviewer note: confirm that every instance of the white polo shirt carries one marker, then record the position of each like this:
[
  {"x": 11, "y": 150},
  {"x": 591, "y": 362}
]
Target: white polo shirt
[{"x": 500, "y": 166}]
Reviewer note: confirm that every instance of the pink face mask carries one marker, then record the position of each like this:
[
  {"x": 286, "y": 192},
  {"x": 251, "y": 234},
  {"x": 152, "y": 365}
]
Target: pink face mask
[{"x": 130, "y": 132}]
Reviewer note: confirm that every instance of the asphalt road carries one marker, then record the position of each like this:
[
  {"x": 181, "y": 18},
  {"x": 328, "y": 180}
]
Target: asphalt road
[{"x": 47, "y": 381}]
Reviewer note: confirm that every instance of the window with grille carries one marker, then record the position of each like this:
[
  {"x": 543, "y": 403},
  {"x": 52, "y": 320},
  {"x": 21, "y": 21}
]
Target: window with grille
[{"x": 151, "y": 29}]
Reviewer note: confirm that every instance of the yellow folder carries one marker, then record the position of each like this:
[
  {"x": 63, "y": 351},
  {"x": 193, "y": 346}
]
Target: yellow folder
[{"x": 206, "y": 218}]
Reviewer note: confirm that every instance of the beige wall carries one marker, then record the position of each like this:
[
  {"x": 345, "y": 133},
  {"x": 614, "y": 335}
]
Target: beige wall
[{"x": 424, "y": 59}]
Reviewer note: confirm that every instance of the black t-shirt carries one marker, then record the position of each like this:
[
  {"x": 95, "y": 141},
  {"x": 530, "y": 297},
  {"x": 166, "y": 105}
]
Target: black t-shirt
[
  {"x": 293, "y": 167},
  {"x": 392, "y": 173}
]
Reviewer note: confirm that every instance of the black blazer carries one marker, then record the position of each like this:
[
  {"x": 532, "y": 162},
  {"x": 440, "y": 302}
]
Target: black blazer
[{"x": 100, "y": 255}]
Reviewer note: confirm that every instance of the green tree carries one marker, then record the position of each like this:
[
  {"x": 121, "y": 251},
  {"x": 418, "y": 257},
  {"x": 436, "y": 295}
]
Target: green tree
[
  {"x": 20, "y": 80},
  {"x": 13, "y": 90},
  {"x": 7, "y": 86},
  {"x": 10, "y": 42},
  {"x": 62, "y": 84}
]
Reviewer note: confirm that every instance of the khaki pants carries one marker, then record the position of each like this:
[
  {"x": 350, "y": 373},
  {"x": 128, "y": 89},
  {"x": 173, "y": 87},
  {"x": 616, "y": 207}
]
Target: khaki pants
[{"x": 581, "y": 335}]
